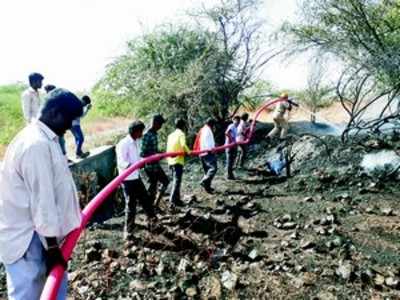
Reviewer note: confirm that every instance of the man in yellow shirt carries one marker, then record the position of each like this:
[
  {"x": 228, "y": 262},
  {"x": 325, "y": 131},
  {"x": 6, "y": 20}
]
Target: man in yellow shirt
[{"x": 177, "y": 143}]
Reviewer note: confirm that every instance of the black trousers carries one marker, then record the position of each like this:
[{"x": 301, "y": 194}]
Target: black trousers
[
  {"x": 134, "y": 191},
  {"x": 157, "y": 175},
  {"x": 177, "y": 173}
]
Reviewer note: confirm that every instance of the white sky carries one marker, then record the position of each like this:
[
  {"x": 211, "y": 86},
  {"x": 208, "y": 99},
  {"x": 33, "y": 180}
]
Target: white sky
[{"x": 71, "y": 41}]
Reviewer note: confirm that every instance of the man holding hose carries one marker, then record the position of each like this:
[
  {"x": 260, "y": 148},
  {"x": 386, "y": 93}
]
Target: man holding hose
[{"x": 38, "y": 199}]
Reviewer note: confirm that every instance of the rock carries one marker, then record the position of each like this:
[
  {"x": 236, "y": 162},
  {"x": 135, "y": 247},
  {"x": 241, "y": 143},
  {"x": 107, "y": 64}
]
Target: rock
[
  {"x": 289, "y": 225},
  {"x": 308, "y": 199},
  {"x": 183, "y": 265},
  {"x": 160, "y": 268},
  {"x": 83, "y": 289},
  {"x": 244, "y": 200},
  {"x": 191, "y": 292},
  {"x": 345, "y": 270},
  {"x": 392, "y": 282},
  {"x": 93, "y": 255},
  {"x": 284, "y": 244},
  {"x": 367, "y": 276},
  {"x": 379, "y": 280},
  {"x": 137, "y": 285},
  {"x": 309, "y": 278},
  {"x": 326, "y": 296},
  {"x": 210, "y": 288},
  {"x": 114, "y": 266},
  {"x": 294, "y": 235},
  {"x": 306, "y": 244},
  {"x": 108, "y": 253},
  {"x": 253, "y": 254},
  {"x": 299, "y": 268},
  {"x": 190, "y": 198},
  {"x": 286, "y": 218},
  {"x": 387, "y": 211},
  {"x": 229, "y": 280}
]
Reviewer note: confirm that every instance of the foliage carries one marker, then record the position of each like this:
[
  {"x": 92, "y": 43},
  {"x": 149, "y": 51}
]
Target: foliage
[
  {"x": 364, "y": 35},
  {"x": 11, "y": 120},
  {"x": 194, "y": 72}
]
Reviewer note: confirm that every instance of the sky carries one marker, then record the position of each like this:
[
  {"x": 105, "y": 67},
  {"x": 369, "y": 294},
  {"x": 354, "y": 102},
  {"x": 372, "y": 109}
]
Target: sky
[{"x": 71, "y": 42}]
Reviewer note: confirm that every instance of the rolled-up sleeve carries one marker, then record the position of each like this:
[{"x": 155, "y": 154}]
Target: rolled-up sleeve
[{"x": 38, "y": 174}]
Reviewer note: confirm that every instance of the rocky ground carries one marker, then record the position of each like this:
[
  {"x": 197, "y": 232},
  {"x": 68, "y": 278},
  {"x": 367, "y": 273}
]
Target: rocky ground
[{"x": 330, "y": 231}]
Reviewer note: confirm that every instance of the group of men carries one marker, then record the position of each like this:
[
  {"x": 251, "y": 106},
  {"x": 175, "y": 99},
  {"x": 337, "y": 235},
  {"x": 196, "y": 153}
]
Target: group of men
[
  {"x": 39, "y": 206},
  {"x": 136, "y": 145},
  {"x": 31, "y": 105}
]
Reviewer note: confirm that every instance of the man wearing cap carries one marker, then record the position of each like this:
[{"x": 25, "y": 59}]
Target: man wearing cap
[
  {"x": 38, "y": 199},
  {"x": 30, "y": 98},
  {"x": 281, "y": 117},
  {"x": 154, "y": 171}
]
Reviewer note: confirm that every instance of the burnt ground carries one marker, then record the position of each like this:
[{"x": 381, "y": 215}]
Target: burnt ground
[{"x": 330, "y": 231}]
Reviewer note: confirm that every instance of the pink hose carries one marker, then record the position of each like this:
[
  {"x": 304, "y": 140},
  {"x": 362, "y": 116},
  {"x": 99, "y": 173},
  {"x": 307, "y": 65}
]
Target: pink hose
[{"x": 54, "y": 280}]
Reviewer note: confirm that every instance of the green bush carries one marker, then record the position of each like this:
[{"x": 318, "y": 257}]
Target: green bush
[{"x": 11, "y": 119}]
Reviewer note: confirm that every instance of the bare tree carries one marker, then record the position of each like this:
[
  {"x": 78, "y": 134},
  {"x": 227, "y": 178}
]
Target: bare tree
[
  {"x": 318, "y": 93},
  {"x": 239, "y": 29}
]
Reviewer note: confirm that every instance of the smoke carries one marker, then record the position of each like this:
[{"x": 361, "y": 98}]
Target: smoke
[{"x": 380, "y": 161}]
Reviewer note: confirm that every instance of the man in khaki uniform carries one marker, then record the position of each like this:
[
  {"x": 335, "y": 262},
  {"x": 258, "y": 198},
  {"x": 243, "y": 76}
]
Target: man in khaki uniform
[{"x": 280, "y": 117}]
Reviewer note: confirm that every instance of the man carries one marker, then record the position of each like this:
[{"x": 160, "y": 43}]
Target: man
[
  {"x": 38, "y": 199},
  {"x": 205, "y": 141},
  {"x": 280, "y": 117},
  {"x": 31, "y": 99},
  {"x": 128, "y": 153},
  {"x": 77, "y": 130},
  {"x": 243, "y": 132},
  {"x": 154, "y": 171},
  {"x": 48, "y": 88},
  {"x": 230, "y": 137},
  {"x": 177, "y": 143}
]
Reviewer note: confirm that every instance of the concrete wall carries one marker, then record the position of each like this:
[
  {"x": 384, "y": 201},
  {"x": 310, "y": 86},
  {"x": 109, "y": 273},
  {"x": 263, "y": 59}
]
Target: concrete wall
[{"x": 92, "y": 174}]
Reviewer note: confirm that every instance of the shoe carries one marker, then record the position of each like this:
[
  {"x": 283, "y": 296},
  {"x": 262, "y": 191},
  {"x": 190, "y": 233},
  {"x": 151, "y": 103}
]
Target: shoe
[
  {"x": 207, "y": 188},
  {"x": 230, "y": 177},
  {"x": 82, "y": 155}
]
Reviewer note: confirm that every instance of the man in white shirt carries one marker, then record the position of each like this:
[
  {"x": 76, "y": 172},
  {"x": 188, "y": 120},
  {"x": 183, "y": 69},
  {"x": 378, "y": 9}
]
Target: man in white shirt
[
  {"x": 230, "y": 138},
  {"x": 243, "y": 132},
  {"x": 128, "y": 153},
  {"x": 31, "y": 99},
  {"x": 38, "y": 199},
  {"x": 209, "y": 159}
]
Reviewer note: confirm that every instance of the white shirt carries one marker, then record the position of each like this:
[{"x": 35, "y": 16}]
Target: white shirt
[
  {"x": 242, "y": 131},
  {"x": 37, "y": 192},
  {"x": 128, "y": 153},
  {"x": 232, "y": 132},
  {"x": 30, "y": 104},
  {"x": 206, "y": 139}
]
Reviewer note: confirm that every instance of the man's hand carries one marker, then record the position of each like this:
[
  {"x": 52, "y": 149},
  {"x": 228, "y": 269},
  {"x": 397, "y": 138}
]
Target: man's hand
[{"x": 54, "y": 257}]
